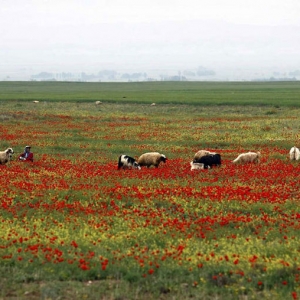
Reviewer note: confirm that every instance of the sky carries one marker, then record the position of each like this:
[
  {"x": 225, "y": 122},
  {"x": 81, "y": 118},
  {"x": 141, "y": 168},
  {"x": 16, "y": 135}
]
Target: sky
[{"x": 234, "y": 38}]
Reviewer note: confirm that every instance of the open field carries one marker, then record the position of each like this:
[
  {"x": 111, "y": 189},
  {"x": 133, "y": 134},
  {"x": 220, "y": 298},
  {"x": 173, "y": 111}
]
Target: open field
[
  {"x": 74, "y": 227},
  {"x": 196, "y": 93}
]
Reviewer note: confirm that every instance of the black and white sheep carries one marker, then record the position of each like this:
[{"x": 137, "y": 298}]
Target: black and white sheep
[
  {"x": 151, "y": 159},
  {"x": 201, "y": 153},
  {"x": 249, "y": 157},
  {"x": 294, "y": 153},
  {"x": 197, "y": 166},
  {"x": 209, "y": 160},
  {"x": 6, "y": 156},
  {"x": 127, "y": 162}
]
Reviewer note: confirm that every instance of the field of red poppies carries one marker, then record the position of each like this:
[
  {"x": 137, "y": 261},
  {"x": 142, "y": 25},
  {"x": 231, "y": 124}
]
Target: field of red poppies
[{"x": 71, "y": 217}]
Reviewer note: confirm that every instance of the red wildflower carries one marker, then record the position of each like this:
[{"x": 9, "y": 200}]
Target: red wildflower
[
  {"x": 151, "y": 271},
  {"x": 84, "y": 267},
  {"x": 74, "y": 244},
  {"x": 294, "y": 295}
]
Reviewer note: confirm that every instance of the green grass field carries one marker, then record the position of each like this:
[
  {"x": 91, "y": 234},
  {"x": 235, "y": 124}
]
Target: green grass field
[{"x": 191, "y": 93}]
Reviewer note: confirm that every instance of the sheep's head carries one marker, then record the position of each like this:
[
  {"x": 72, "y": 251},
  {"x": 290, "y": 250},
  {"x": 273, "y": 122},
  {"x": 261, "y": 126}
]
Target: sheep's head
[
  {"x": 9, "y": 151},
  {"x": 136, "y": 166},
  {"x": 163, "y": 158}
]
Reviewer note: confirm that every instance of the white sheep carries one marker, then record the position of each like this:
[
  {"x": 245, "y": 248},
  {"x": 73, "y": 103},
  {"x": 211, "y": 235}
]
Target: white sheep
[
  {"x": 197, "y": 166},
  {"x": 151, "y": 159},
  {"x": 249, "y": 157},
  {"x": 202, "y": 153},
  {"x": 6, "y": 156},
  {"x": 294, "y": 153}
]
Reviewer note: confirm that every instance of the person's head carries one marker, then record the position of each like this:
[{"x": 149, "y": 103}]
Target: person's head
[{"x": 27, "y": 148}]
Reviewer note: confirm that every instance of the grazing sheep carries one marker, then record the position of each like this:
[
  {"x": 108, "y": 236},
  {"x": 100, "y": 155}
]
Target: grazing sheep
[
  {"x": 294, "y": 153},
  {"x": 127, "y": 162},
  {"x": 201, "y": 153},
  {"x": 6, "y": 156},
  {"x": 249, "y": 157},
  {"x": 209, "y": 160},
  {"x": 151, "y": 158},
  {"x": 197, "y": 166}
]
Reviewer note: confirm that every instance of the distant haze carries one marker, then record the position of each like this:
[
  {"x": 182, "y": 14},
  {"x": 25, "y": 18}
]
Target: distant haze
[{"x": 237, "y": 40}]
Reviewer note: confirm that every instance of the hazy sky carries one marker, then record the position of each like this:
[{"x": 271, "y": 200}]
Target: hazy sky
[{"x": 91, "y": 35}]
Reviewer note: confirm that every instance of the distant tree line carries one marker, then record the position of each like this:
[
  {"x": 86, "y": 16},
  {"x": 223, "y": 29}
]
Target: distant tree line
[{"x": 110, "y": 75}]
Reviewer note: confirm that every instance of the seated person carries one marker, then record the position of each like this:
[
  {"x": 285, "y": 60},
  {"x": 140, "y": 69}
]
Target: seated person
[{"x": 26, "y": 155}]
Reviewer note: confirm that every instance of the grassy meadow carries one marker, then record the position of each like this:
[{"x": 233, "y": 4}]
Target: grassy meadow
[
  {"x": 191, "y": 93},
  {"x": 72, "y": 226}
]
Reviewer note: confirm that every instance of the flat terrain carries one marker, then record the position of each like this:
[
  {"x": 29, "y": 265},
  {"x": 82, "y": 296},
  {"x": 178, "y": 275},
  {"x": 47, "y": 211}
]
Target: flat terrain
[
  {"x": 195, "y": 93},
  {"x": 72, "y": 226}
]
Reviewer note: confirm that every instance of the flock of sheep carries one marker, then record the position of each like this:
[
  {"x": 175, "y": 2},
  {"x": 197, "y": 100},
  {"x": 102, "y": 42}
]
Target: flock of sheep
[{"x": 203, "y": 159}]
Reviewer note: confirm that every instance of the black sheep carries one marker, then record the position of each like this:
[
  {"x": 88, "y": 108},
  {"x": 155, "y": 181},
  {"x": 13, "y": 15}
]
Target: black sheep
[{"x": 209, "y": 160}]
